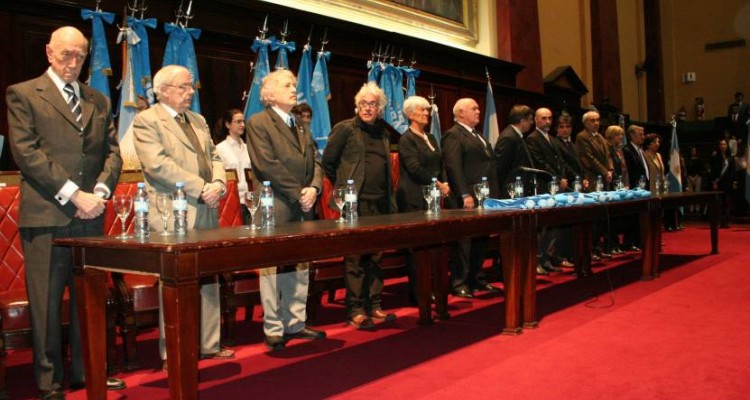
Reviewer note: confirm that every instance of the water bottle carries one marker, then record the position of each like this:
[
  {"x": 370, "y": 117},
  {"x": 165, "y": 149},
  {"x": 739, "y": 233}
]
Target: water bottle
[
  {"x": 577, "y": 184},
  {"x": 267, "y": 219},
  {"x": 350, "y": 201},
  {"x": 435, "y": 191},
  {"x": 140, "y": 204},
  {"x": 180, "y": 209},
  {"x": 553, "y": 186},
  {"x": 485, "y": 188},
  {"x": 519, "y": 187},
  {"x": 599, "y": 183}
]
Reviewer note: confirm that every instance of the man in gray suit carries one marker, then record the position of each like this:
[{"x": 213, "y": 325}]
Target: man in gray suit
[
  {"x": 64, "y": 143},
  {"x": 174, "y": 145},
  {"x": 283, "y": 152},
  {"x": 591, "y": 148}
]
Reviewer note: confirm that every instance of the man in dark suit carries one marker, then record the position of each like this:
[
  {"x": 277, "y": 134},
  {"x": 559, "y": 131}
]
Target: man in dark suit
[
  {"x": 65, "y": 144},
  {"x": 637, "y": 170},
  {"x": 592, "y": 151},
  {"x": 283, "y": 152},
  {"x": 566, "y": 149},
  {"x": 743, "y": 110},
  {"x": 511, "y": 152},
  {"x": 468, "y": 158},
  {"x": 545, "y": 157}
]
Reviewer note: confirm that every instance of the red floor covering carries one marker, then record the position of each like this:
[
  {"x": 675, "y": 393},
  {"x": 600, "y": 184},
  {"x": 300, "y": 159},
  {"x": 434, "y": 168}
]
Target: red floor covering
[{"x": 612, "y": 336}]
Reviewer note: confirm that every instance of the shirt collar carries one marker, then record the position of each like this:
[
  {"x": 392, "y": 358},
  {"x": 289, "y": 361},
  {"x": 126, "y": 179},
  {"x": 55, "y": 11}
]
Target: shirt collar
[
  {"x": 520, "y": 134},
  {"x": 284, "y": 116},
  {"x": 170, "y": 110},
  {"x": 60, "y": 84},
  {"x": 467, "y": 127}
]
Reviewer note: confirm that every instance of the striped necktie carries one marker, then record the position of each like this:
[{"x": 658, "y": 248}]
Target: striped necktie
[{"x": 73, "y": 103}]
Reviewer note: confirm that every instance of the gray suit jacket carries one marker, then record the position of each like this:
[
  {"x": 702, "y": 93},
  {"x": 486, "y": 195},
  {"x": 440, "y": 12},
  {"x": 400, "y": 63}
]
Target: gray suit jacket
[
  {"x": 289, "y": 160},
  {"x": 167, "y": 156},
  {"x": 49, "y": 148}
]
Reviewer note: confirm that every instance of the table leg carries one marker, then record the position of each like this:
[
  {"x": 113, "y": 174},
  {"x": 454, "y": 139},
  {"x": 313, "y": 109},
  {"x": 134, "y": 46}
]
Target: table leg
[
  {"x": 512, "y": 258},
  {"x": 714, "y": 205},
  {"x": 650, "y": 242},
  {"x": 182, "y": 328},
  {"x": 90, "y": 298},
  {"x": 582, "y": 248},
  {"x": 424, "y": 278},
  {"x": 528, "y": 247},
  {"x": 441, "y": 279}
]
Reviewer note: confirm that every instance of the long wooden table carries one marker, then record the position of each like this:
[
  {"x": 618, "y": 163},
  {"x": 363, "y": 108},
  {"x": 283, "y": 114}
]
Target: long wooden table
[
  {"x": 182, "y": 261},
  {"x": 581, "y": 219}
]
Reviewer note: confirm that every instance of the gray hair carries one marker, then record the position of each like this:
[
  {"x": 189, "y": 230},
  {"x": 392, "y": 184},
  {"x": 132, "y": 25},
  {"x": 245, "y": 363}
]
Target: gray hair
[
  {"x": 165, "y": 76},
  {"x": 414, "y": 102},
  {"x": 459, "y": 106},
  {"x": 271, "y": 82},
  {"x": 588, "y": 115},
  {"x": 371, "y": 88}
]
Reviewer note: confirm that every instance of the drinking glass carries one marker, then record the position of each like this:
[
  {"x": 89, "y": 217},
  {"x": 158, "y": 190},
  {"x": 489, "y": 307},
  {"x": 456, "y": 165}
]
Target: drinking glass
[
  {"x": 512, "y": 190},
  {"x": 428, "y": 197},
  {"x": 164, "y": 206},
  {"x": 642, "y": 182},
  {"x": 251, "y": 202},
  {"x": 553, "y": 187},
  {"x": 123, "y": 203},
  {"x": 480, "y": 192},
  {"x": 339, "y": 197}
]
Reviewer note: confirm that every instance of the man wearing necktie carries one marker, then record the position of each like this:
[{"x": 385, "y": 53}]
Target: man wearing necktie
[
  {"x": 511, "y": 152},
  {"x": 283, "y": 152},
  {"x": 174, "y": 145},
  {"x": 468, "y": 158},
  {"x": 65, "y": 145},
  {"x": 592, "y": 149}
]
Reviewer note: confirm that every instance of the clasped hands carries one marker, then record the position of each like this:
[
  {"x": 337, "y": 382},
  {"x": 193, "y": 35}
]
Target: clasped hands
[
  {"x": 89, "y": 205},
  {"x": 211, "y": 194},
  {"x": 307, "y": 198}
]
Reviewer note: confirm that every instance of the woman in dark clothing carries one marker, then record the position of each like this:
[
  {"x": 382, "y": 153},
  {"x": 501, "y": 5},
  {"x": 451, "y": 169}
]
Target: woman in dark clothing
[
  {"x": 722, "y": 178},
  {"x": 420, "y": 158}
]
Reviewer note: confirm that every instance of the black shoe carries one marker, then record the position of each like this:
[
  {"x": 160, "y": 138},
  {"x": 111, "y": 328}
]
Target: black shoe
[
  {"x": 52, "y": 395},
  {"x": 486, "y": 287},
  {"x": 551, "y": 268},
  {"x": 275, "y": 342},
  {"x": 463, "y": 291},
  {"x": 112, "y": 384},
  {"x": 305, "y": 333},
  {"x": 362, "y": 322},
  {"x": 541, "y": 271},
  {"x": 595, "y": 258}
]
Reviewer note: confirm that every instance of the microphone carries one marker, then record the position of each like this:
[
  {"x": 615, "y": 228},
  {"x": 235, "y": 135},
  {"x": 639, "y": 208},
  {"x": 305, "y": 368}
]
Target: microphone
[{"x": 535, "y": 171}]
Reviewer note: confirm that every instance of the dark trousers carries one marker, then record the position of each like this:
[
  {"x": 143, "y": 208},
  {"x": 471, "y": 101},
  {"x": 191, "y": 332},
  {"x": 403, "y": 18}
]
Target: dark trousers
[
  {"x": 466, "y": 262},
  {"x": 49, "y": 271},
  {"x": 364, "y": 278}
]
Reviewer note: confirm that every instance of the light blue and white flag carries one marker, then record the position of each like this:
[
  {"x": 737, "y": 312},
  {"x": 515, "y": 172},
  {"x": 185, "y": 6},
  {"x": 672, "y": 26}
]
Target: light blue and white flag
[
  {"x": 491, "y": 129},
  {"x": 141, "y": 59},
  {"x": 391, "y": 83},
  {"x": 320, "y": 126},
  {"x": 180, "y": 50},
  {"x": 254, "y": 105},
  {"x": 435, "y": 125},
  {"x": 99, "y": 66},
  {"x": 374, "y": 69},
  {"x": 675, "y": 170},
  {"x": 128, "y": 91},
  {"x": 304, "y": 75},
  {"x": 283, "y": 47},
  {"x": 411, "y": 75}
]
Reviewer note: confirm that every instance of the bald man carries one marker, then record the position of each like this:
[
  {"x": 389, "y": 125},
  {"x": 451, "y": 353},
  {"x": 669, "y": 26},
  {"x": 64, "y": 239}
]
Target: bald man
[{"x": 65, "y": 145}]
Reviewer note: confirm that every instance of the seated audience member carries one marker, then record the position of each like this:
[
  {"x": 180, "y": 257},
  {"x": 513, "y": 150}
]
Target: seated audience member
[
  {"x": 233, "y": 151},
  {"x": 420, "y": 160}
]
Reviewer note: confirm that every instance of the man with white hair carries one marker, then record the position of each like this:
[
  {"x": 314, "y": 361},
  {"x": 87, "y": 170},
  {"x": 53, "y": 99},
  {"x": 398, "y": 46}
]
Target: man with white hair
[
  {"x": 468, "y": 158},
  {"x": 283, "y": 152},
  {"x": 591, "y": 147},
  {"x": 359, "y": 149},
  {"x": 65, "y": 145},
  {"x": 174, "y": 145}
]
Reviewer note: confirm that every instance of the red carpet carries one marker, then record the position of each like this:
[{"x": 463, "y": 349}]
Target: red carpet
[{"x": 682, "y": 336}]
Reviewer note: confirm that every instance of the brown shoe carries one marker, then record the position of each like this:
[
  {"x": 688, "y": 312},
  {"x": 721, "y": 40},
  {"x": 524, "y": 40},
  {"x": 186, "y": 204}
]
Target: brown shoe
[
  {"x": 383, "y": 316},
  {"x": 223, "y": 354},
  {"x": 363, "y": 322}
]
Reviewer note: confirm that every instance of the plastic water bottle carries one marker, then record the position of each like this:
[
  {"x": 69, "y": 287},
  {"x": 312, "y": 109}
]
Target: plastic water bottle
[
  {"x": 485, "y": 187},
  {"x": 350, "y": 201},
  {"x": 519, "y": 187},
  {"x": 267, "y": 219},
  {"x": 435, "y": 195},
  {"x": 140, "y": 204},
  {"x": 599, "y": 183},
  {"x": 179, "y": 208},
  {"x": 577, "y": 184}
]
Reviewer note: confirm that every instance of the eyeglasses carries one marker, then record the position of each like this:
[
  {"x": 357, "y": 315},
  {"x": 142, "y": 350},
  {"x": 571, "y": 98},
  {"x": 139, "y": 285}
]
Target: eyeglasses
[
  {"x": 368, "y": 104},
  {"x": 67, "y": 56},
  {"x": 184, "y": 87},
  {"x": 239, "y": 121}
]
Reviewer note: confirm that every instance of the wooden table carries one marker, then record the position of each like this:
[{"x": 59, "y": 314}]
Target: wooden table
[
  {"x": 581, "y": 219},
  {"x": 182, "y": 261}
]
